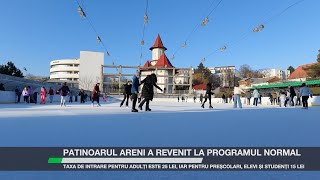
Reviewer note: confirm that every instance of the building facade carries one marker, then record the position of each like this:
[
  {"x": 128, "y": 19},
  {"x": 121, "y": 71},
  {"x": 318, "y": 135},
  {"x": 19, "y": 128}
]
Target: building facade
[
  {"x": 82, "y": 73},
  {"x": 226, "y": 73},
  {"x": 281, "y": 74}
]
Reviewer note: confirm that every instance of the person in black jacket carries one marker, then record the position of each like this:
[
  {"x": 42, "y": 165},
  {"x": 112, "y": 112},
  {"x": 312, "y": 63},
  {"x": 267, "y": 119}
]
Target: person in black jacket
[
  {"x": 208, "y": 95},
  {"x": 82, "y": 96},
  {"x": 126, "y": 93},
  {"x": 292, "y": 95},
  {"x": 64, "y": 91},
  {"x": 147, "y": 90},
  {"x": 96, "y": 94}
]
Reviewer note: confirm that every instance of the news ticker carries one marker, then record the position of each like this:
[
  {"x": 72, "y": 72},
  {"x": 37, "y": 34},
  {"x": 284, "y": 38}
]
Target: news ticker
[{"x": 160, "y": 158}]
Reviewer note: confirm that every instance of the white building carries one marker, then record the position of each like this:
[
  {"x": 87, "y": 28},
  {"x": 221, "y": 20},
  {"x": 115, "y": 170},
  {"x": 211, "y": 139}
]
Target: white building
[
  {"x": 226, "y": 73},
  {"x": 282, "y": 74},
  {"x": 84, "y": 72}
]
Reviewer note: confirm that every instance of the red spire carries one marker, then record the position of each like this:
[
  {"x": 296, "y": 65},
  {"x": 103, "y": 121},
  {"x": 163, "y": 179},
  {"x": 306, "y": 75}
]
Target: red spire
[
  {"x": 158, "y": 44},
  {"x": 163, "y": 61},
  {"x": 147, "y": 64}
]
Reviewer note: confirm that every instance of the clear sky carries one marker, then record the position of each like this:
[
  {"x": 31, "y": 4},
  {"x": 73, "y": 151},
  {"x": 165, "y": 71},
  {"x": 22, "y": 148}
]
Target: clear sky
[{"x": 34, "y": 32}]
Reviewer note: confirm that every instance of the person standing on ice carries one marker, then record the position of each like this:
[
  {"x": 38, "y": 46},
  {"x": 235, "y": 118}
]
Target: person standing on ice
[
  {"x": 147, "y": 90},
  {"x": 201, "y": 98},
  {"x": 208, "y": 95},
  {"x": 292, "y": 95},
  {"x": 51, "y": 94},
  {"x": 43, "y": 94},
  {"x": 236, "y": 96},
  {"x": 18, "y": 94},
  {"x": 178, "y": 98},
  {"x": 95, "y": 94},
  {"x": 82, "y": 96},
  {"x": 25, "y": 94},
  {"x": 126, "y": 93},
  {"x": 134, "y": 92},
  {"x": 64, "y": 91},
  {"x": 256, "y": 96},
  {"x": 248, "y": 96},
  {"x": 283, "y": 99},
  {"x": 305, "y": 92}
]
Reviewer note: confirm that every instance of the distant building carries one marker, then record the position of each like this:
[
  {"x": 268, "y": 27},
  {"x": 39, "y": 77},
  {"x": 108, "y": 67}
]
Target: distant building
[
  {"x": 281, "y": 74},
  {"x": 248, "y": 83},
  {"x": 226, "y": 74},
  {"x": 82, "y": 73},
  {"x": 299, "y": 74}
]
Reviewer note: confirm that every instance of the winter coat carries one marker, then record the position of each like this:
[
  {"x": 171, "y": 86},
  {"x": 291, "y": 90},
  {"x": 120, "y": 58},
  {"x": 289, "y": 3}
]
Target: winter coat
[
  {"x": 25, "y": 92},
  {"x": 43, "y": 92},
  {"x": 127, "y": 89},
  {"x": 255, "y": 94},
  {"x": 147, "y": 90},
  {"x": 305, "y": 91},
  {"x": 135, "y": 85},
  {"x": 82, "y": 94},
  {"x": 237, "y": 90},
  {"x": 64, "y": 90},
  {"x": 95, "y": 93},
  {"x": 51, "y": 92},
  {"x": 292, "y": 92},
  {"x": 208, "y": 90}
]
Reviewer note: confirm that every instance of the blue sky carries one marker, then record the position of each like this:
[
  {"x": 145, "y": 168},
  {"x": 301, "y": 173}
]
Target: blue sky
[{"x": 34, "y": 32}]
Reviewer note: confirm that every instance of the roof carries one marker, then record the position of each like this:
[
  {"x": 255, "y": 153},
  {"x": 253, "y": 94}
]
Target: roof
[
  {"x": 163, "y": 61},
  {"x": 200, "y": 87},
  {"x": 147, "y": 64},
  {"x": 286, "y": 84},
  {"x": 158, "y": 43},
  {"x": 299, "y": 72}
]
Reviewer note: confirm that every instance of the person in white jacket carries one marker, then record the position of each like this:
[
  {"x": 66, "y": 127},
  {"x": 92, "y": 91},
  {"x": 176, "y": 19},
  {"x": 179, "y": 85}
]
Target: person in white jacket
[
  {"x": 237, "y": 92},
  {"x": 305, "y": 92},
  {"x": 256, "y": 96}
]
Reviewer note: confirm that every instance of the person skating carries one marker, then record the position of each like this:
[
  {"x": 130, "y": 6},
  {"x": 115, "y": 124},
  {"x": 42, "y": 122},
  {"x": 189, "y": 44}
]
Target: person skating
[
  {"x": 237, "y": 94},
  {"x": 298, "y": 103},
  {"x": 283, "y": 99},
  {"x": 194, "y": 99},
  {"x": 147, "y": 90},
  {"x": 248, "y": 96},
  {"x": 18, "y": 94},
  {"x": 43, "y": 95},
  {"x": 305, "y": 92},
  {"x": 82, "y": 96},
  {"x": 51, "y": 94},
  {"x": 70, "y": 97},
  {"x": 201, "y": 98},
  {"x": 256, "y": 96},
  {"x": 292, "y": 95},
  {"x": 25, "y": 94},
  {"x": 223, "y": 98},
  {"x": 208, "y": 95},
  {"x": 95, "y": 94},
  {"x": 126, "y": 93},
  {"x": 134, "y": 92},
  {"x": 178, "y": 98},
  {"x": 63, "y": 91}
]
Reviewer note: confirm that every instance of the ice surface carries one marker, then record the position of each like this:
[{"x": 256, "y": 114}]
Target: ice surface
[{"x": 168, "y": 124}]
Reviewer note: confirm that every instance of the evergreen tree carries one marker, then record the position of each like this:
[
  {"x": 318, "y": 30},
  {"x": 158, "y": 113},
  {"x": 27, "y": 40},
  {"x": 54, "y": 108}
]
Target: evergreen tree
[
  {"x": 10, "y": 69},
  {"x": 291, "y": 69}
]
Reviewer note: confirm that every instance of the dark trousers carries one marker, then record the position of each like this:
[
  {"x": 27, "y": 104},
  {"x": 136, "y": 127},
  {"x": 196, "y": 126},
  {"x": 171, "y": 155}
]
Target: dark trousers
[
  {"x": 305, "y": 101},
  {"x": 145, "y": 101},
  {"x": 298, "y": 101},
  {"x": 18, "y": 100},
  {"x": 26, "y": 99},
  {"x": 82, "y": 100},
  {"x": 207, "y": 97},
  {"x": 125, "y": 97},
  {"x": 255, "y": 101},
  {"x": 134, "y": 100},
  {"x": 248, "y": 101},
  {"x": 291, "y": 100},
  {"x": 96, "y": 98}
]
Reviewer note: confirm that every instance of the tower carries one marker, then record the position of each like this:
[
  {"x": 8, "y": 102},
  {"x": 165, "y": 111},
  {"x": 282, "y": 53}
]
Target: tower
[{"x": 157, "y": 50}]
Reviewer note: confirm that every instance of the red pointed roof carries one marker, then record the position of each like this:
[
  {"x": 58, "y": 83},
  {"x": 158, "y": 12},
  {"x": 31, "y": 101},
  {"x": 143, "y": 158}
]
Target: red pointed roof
[
  {"x": 158, "y": 44},
  {"x": 299, "y": 72},
  {"x": 163, "y": 61},
  {"x": 147, "y": 64}
]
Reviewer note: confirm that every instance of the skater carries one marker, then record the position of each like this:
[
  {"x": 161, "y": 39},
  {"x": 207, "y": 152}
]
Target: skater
[
  {"x": 31, "y": 97},
  {"x": 237, "y": 94},
  {"x": 182, "y": 98},
  {"x": 292, "y": 95},
  {"x": 283, "y": 99},
  {"x": 194, "y": 99},
  {"x": 95, "y": 94},
  {"x": 82, "y": 96},
  {"x": 35, "y": 97},
  {"x": 43, "y": 95},
  {"x": 256, "y": 96},
  {"x": 305, "y": 92},
  {"x": 223, "y": 98},
  {"x": 201, "y": 98},
  {"x": 25, "y": 94},
  {"x": 298, "y": 102},
  {"x": 126, "y": 93},
  {"x": 248, "y": 96},
  {"x": 70, "y": 97},
  {"x": 178, "y": 98},
  {"x": 51, "y": 94},
  {"x": 134, "y": 92},
  {"x": 147, "y": 90},
  {"x": 274, "y": 97},
  {"x": 18, "y": 94},
  {"x": 63, "y": 91},
  {"x": 208, "y": 95}
]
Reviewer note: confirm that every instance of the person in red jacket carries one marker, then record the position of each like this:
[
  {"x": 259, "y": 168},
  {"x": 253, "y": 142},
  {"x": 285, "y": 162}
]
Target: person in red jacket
[{"x": 95, "y": 94}]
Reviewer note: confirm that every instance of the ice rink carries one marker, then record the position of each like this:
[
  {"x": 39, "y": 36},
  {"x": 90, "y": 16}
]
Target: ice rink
[{"x": 169, "y": 124}]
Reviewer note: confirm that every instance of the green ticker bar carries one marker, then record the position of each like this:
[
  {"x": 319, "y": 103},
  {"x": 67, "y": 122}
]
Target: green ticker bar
[{"x": 54, "y": 160}]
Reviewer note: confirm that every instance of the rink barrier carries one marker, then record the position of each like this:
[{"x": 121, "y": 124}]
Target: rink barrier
[{"x": 7, "y": 97}]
